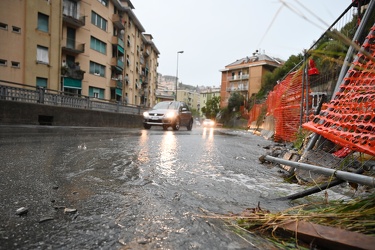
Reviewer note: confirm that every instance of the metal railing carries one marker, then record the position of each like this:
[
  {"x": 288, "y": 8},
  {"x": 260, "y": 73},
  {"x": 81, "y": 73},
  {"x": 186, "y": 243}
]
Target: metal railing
[
  {"x": 39, "y": 95},
  {"x": 238, "y": 77}
]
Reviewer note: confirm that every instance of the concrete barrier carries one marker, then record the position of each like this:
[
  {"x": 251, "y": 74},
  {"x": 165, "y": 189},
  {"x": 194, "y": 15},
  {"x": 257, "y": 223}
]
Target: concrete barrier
[{"x": 21, "y": 113}]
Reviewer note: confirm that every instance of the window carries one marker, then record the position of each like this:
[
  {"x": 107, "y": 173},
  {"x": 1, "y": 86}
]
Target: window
[
  {"x": 42, "y": 54},
  {"x": 42, "y": 22},
  {"x": 15, "y": 64},
  {"x": 3, "y": 62},
  {"x": 127, "y": 60},
  {"x": 70, "y": 8},
  {"x": 96, "y": 92},
  {"x": 98, "y": 21},
  {"x": 3, "y": 26},
  {"x": 128, "y": 42},
  {"x": 97, "y": 69},
  {"x": 16, "y": 29},
  {"x": 104, "y": 2},
  {"x": 98, "y": 45},
  {"x": 41, "y": 82}
]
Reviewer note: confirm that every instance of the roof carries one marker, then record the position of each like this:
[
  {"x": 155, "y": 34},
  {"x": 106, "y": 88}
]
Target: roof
[
  {"x": 134, "y": 18},
  {"x": 148, "y": 40},
  {"x": 255, "y": 60},
  {"x": 121, "y": 3}
]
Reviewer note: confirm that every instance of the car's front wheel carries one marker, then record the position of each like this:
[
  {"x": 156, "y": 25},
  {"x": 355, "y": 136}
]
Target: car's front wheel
[
  {"x": 165, "y": 127},
  {"x": 190, "y": 125},
  {"x": 176, "y": 125},
  {"x": 146, "y": 126}
]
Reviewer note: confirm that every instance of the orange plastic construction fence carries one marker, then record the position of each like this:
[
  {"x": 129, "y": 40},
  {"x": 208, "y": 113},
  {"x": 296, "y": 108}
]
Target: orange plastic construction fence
[
  {"x": 349, "y": 119},
  {"x": 254, "y": 113},
  {"x": 284, "y": 103}
]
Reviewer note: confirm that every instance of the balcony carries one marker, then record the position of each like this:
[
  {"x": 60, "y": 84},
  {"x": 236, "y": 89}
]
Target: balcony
[
  {"x": 69, "y": 45},
  {"x": 141, "y": 60},
  {"x": 237, "y": 89},
  {"x": 73, "y": 18},
  {"x": 238, "y": 77},
  {"x": 72, "y": 73},
  {"x": 118, "y": 63},
  {"x": 115, "y": 83},
  {"x": 144, "y": 82},
  {"x": 116, "y": 19},
  {"x": 117, "y": 41},
  {"x": 146, "y": 52}
]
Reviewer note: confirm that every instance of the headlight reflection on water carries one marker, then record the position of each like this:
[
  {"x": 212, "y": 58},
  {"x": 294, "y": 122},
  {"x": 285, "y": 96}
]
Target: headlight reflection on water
[
  {"x": 209, "y": 133},
  {"x": 166, "y": 154},
  {"x": 208, "y": 152},
  {"x": 168, "y": 151},
  {"x": 143, "y": 142}
]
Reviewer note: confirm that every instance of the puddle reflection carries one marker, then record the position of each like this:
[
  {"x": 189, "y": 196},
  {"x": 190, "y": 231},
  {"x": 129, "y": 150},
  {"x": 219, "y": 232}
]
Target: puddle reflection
[
  {"x": 168, "y": 151},
  {"x": 143, "y": 142},
  {"x": 208, "y": 133}
]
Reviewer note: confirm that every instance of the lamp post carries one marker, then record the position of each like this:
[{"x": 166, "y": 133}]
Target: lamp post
[{"x": 178, "y": 52}]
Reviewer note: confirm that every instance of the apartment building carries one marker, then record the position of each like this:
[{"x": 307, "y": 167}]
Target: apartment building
[
  {"x": 30, "y": 43},
  {"x": 207, "y": 94},
  {"x": 94, "y": 48},
  {"x": 190, "y": 97},
  {"x": 167, "y": 89},
  {"x": 245, "y": 76}
]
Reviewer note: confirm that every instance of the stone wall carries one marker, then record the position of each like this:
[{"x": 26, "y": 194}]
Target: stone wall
[{"x": 20, "y": 113}]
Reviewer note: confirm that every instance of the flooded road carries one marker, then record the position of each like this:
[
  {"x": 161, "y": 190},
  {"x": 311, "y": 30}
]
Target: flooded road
[{"x": 111, "y": 188}]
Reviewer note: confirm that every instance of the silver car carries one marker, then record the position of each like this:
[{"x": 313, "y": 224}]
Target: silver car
[{"x": 169, "y": 114}]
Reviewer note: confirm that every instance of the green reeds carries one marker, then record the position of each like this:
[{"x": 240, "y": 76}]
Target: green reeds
[{"x": 357, "y": 215}]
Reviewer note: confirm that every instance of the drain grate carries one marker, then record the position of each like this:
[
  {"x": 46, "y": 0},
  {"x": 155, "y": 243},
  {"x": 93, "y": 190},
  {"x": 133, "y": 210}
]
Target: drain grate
[{"x": 45, "y": 120}]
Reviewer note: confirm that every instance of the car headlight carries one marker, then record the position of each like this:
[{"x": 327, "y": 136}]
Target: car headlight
[
  {"x": 170, "y": 115},
  {"x": 146, "y": 114}
]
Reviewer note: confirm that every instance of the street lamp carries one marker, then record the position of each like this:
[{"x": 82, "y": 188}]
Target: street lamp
[{"x": 178, "y": 52}]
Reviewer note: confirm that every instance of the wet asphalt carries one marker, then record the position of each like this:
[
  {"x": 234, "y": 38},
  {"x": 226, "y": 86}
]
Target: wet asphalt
[{"x": 112, "y": 188}]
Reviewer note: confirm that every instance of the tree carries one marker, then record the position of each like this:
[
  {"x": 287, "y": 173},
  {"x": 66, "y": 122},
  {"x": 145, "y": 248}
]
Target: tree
[
  {"x": 270, "y": 78},
  {"x": 235, "y": 101},
  {"x": 212, "y": 107}
]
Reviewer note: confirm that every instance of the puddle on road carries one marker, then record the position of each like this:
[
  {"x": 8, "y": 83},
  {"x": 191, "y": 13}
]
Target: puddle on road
[{"x": 149, "y": 189}]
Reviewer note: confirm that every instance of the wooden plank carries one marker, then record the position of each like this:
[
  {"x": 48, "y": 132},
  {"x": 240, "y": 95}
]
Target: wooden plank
[{"x": 329, "y": 237}]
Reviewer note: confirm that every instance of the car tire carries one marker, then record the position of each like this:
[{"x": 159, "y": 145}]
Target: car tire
[
  {"x": 190, "y": 125},
  {"x": 176, "y": 125},
  {"x": 146, "y": 126},
  {"x": 165, "y": 127}
]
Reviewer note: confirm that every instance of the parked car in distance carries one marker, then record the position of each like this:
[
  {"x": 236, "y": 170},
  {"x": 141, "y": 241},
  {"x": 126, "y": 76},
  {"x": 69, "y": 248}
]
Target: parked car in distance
[
  {"x": 208, "y": 123},
  {"x": 168, "y": 114}
]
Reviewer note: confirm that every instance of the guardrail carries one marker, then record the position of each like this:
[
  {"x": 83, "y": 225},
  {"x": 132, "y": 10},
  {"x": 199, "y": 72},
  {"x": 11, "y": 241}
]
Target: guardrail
[{"x": 33, "y": 94}]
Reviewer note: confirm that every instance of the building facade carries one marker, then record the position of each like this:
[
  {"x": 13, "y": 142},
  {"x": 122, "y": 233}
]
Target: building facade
[
  {"x": 207, "y": 94},
  {"x": 94, "y": 48},
  {"x": 244, "y": 76}
]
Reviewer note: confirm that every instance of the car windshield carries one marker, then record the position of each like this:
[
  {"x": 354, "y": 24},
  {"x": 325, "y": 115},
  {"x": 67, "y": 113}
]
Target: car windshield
[{"x": 166, "y": 105}]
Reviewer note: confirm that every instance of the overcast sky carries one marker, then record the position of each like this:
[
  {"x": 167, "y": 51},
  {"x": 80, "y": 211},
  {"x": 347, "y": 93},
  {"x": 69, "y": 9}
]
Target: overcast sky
[{"x": 215, "y": 33}]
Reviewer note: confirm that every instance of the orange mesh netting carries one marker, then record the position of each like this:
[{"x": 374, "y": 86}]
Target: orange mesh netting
[
  {"x": 284, "y": 102},
  {"x": 254, "y": 113},
  {"x": 349, "y": 119}
]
